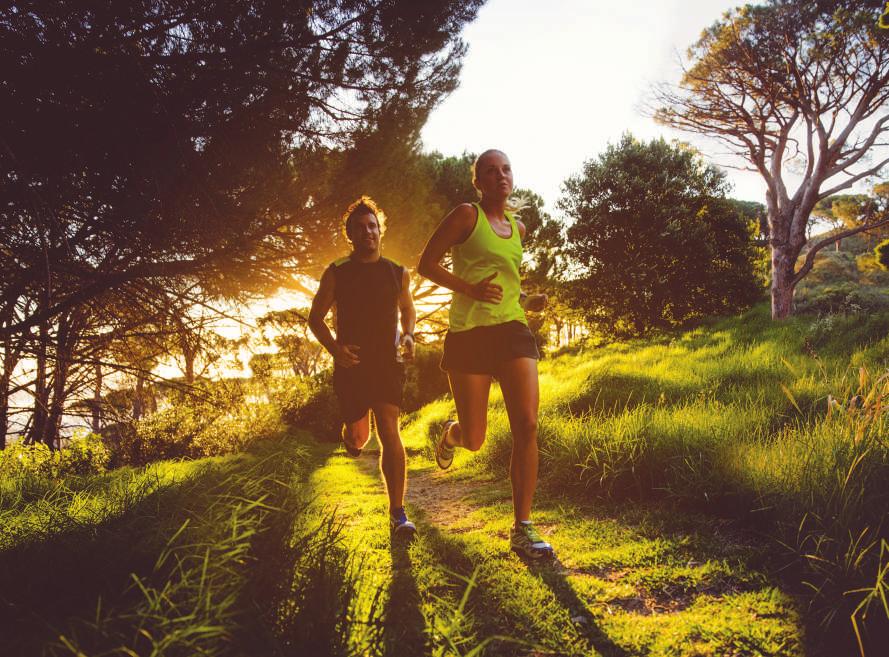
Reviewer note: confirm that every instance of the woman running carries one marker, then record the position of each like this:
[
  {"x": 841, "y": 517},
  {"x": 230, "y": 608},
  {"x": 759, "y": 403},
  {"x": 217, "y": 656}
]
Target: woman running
[{"x": 488, "y": 335}]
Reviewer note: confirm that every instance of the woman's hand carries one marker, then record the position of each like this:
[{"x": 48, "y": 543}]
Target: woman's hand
[{"x": 486, "y": 291}]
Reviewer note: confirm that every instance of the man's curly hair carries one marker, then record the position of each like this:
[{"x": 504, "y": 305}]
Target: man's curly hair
[{"x": 363, "y": 205}]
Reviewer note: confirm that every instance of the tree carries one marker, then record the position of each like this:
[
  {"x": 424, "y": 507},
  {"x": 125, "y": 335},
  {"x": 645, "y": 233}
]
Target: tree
[
  {"x": 291, "y": 335},
  {"x": 156, "y": 139},
  {"x": 653, "y": 241},
  {"x": 786, "y": 85}
]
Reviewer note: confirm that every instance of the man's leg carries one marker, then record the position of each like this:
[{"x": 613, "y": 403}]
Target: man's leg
[
  {"x": 392, "y": 460},
  {"x": 356, "y": 434}
]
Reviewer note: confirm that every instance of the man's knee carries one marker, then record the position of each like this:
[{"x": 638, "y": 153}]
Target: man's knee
[
  {"x": 387, "y": 426},
  {"x": 356, "y": 435}
]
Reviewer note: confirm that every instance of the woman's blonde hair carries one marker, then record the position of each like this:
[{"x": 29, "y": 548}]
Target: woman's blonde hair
[
  {"x": 515, "y": 203},
  {"x": 361, "y": 206}
]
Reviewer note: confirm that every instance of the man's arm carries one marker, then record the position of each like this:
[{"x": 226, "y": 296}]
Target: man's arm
[
  {"x": 346, "y": 355},
  {"x": 408, "y": 314}
]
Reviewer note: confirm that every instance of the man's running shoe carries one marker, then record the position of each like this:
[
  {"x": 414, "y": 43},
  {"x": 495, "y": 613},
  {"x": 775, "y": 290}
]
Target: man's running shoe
[
  {"x": 400, "y": 525},
  {"x": 526, "y": 542},
  {"x": 444, "y": 453}
]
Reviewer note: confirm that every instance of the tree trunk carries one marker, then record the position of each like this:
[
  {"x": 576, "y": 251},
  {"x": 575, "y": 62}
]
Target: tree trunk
[
  {"x": 97, "y": 399},
  {"x": 60, "y": 379},
  {"x": 189, "y": 354},
  {"x": 138, "y": 405},
  {"x": 41, "y": 394},
  {"x": 782, "y": 282}
]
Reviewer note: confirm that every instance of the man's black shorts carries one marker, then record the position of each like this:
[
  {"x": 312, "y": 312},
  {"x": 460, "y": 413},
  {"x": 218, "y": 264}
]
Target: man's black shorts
[
  {"x": 358, "y": 388},
  {"x": 484, "y": 349}
]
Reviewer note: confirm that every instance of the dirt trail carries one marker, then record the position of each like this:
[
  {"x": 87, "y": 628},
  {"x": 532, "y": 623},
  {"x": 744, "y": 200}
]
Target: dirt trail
[{"x": 443, "y": 498}]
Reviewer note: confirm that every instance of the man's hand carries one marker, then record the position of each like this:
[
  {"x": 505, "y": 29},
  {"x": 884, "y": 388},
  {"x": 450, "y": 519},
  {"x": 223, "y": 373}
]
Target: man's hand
[
  {"x": 346, "y": 355},
  {"x": 535, "y": 302},
  {"x": 406, "y": 346},
  {"x": 485, "y": 290}
]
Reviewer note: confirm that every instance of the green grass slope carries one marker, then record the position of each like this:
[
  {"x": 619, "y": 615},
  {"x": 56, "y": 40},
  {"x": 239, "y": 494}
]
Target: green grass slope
[{"x": 734, "y": 420}]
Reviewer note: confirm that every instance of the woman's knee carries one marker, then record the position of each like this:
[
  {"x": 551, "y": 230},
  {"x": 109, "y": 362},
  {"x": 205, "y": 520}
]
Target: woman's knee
[
  {"x": 472, "y": 437},
  {"x": 524, "y": 428}
]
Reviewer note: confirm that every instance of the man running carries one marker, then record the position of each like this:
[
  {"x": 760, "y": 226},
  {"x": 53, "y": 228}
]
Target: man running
[{"x": 370, "y": 292}]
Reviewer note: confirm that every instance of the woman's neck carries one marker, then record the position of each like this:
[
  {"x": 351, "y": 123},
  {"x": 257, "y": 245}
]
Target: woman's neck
[{"x": 494, "y": 207}]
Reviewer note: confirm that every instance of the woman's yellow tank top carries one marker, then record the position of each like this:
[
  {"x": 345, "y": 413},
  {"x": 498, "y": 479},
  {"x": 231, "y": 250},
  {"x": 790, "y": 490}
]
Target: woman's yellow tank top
[{"x": 483, "y": 253}]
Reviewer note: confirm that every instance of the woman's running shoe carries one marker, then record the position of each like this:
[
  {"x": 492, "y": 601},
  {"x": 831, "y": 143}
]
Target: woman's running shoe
[
  {"x": 400, "y": 525},
  {"x": 526, "y": 542},
  {"x": 444, "y": 453}
]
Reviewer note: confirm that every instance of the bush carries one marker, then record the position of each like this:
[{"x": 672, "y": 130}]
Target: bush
[
  {"x": 425, "y": 380},
  {"x": 218, "y": 422},
  {"x": 881, "y": 253},
  {"x": 311, "y": 404},
  {"x": 840, "y": 298},
  {"x": 84, "y": 455}
]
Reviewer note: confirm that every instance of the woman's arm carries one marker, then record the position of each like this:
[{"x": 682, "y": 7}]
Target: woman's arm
[{"x": 455, "y": 228}]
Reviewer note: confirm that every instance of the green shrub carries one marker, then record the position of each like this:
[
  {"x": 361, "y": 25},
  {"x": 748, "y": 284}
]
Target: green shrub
[
  {"x": 194, "y": 428},
  {"x": 425, "y": 380},
  {"x": 844, "y": 298},
  {"x": 311, "y": 404},
  {"x": 881, "y": 253},
  {"x": 84, "y": 454}
]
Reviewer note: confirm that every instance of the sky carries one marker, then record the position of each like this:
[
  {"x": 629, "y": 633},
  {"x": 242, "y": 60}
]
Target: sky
[{"x": 552, "y": 82}]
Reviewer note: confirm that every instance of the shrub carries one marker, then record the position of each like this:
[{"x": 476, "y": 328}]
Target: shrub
[
  {"x": 881, "y": 252},
  {"x": 84, "y": 455},
  {"x": 219, "y": 422},
  {"x": 311, "y": 404},
  {"x": 425, "y": 380},
  {"x": 844, "y": 298}
]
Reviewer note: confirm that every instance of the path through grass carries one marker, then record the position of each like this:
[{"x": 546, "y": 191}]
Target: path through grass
[{"x": 640, "y": 581}]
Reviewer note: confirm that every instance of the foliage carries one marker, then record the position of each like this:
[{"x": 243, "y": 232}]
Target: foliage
[
  {"x": 654, "y": 243},
  {"x": 424, "y": 380},
  {"x": 211, "y": 420},
  {"x": 83, "y": 455},
  {"x": 198, "y": 130},
  {"x": 309, "y": 403},
  {"x": 881, "y": 251}
]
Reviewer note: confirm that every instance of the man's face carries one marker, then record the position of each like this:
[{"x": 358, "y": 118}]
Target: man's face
[{"x": 364, "y": 231}]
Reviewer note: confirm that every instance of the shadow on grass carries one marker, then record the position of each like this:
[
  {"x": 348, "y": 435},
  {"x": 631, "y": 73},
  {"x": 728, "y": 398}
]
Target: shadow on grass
[
  {"x": 549, "y": 572},
  {"x": 48, "y": 582},
  {"x": 497, "y": 610},
  {"x": 404, "y": 627}
]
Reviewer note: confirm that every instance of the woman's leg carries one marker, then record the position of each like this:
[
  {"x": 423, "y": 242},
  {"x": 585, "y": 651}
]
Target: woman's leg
[
  {"x": 392, "y": 461},
  {"x": 470, "y": 393},
  {"x": 521, "y": 394}
]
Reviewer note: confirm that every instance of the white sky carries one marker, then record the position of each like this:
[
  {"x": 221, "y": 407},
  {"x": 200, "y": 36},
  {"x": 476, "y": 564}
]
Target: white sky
[{"x": 552, "y": 82}]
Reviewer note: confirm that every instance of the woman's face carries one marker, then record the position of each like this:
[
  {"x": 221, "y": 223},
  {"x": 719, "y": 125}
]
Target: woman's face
[{"x": 493, "y": 175}]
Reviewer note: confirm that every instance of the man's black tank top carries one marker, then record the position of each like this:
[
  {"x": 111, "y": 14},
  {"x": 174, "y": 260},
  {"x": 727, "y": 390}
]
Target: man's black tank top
[{"x": 366, "y": 295}]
